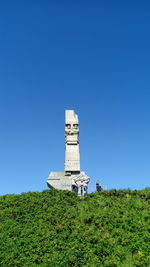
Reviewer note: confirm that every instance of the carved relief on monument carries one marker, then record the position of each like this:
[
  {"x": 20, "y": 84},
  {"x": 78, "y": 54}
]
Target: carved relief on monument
[
  {"x": 80, "y": 182},
  {"x": 71, "y": 133},
  {"x": 72, "y": 156}
]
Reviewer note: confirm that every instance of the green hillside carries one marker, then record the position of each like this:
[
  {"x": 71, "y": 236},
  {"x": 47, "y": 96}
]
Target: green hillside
[{"x": 56, "y": 228}]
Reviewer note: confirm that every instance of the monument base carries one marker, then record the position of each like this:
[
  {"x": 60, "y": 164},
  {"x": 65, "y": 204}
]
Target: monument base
[
  {"x": 58, "y": 180},
  {"x": 76, "y": 181}
]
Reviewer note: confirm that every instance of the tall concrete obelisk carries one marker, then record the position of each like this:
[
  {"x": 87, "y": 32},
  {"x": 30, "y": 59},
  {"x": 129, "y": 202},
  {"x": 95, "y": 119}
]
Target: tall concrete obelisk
[
  {"x": 72, "y": 178},
  {"x": 72, "y": 155}
]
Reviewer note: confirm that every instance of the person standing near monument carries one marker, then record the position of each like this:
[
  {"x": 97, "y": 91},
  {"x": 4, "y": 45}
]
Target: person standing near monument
[{"x": 98, "y": 187}]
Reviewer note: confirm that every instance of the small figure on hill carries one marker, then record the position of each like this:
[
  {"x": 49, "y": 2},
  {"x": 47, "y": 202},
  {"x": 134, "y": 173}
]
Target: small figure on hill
[{"x": 98, "y": 187}]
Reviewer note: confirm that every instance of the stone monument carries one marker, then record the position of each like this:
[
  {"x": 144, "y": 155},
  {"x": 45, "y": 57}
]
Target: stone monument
[{"x": 72, "y": 178}]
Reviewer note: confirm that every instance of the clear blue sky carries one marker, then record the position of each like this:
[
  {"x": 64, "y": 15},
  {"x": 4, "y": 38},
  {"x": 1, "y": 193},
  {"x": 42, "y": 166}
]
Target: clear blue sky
[{"x": 90, "y": 56}]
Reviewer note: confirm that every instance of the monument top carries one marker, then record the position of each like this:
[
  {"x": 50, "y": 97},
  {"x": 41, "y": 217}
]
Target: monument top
[{"x": 71, "y": 117}]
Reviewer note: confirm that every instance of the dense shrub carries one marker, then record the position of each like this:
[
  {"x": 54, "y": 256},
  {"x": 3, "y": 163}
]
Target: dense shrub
[{"x": 56, "y": 228}]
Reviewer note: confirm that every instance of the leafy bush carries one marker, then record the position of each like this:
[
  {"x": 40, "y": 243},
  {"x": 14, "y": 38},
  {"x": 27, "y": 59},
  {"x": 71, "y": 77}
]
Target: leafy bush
[{"x": 56, "y": 228}]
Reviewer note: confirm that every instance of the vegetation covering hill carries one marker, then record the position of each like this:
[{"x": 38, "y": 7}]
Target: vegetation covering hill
[{"x": 56, "y": 228}]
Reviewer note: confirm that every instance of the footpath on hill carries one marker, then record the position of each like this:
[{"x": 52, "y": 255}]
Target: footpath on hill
[{"x": 58, "y": 229}]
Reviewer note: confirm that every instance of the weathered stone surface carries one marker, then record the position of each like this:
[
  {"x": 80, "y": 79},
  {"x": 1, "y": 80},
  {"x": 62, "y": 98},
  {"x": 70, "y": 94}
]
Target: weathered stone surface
[
  {"x": 58, "y": 180},
  {"x": 72, "y": 156},
  {"x": 71, "y": 179}
]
